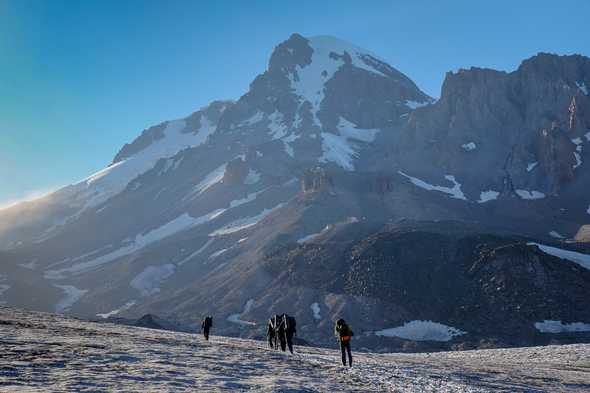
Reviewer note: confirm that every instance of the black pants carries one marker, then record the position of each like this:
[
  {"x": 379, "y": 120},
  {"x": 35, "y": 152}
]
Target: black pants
[
  {"x": 206, "y": 333},
  {"x": 345, "y": 347},
  {"x": 290, "y": 341},
  {"x": 271, "y": 340},
  {"x": 283, "y": 342}
]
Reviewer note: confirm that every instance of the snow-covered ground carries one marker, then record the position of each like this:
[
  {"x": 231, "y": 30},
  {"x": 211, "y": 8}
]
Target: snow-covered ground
[{"x": 48, "y": 352}]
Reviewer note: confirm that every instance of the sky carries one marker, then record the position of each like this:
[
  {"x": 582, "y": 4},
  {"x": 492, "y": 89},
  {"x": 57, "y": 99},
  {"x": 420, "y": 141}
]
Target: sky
[{"x": 79, "y": 79}]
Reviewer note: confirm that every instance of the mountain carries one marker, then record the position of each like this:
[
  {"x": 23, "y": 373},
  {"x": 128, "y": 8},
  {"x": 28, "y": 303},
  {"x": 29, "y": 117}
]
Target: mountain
[{"x": 334, "y": 186}]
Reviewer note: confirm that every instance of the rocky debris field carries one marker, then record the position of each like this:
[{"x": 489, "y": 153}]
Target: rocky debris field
[{"x": 48, "y": 352}]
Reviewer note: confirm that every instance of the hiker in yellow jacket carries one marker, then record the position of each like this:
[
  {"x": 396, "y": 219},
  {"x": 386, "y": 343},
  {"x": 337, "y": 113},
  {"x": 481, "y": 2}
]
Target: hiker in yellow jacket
[{"x": 344, "y": 334}]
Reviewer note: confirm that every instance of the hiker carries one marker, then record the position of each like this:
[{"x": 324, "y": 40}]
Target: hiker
[
  {"x": 290, "y": 330},
  {"x": 281, "y": 331},
  {"x": 206, "y": 326},
  {"x": 344, "y": 333},
  {"x": 271, "y": 334}
]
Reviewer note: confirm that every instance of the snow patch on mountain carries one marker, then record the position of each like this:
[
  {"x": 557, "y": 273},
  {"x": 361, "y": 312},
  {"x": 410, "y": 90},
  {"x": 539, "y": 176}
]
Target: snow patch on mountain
[
  {"x": 71, "y": 296},
  {"x": 252, "y": 177},
  {"x": 454, "y": 192},
  {"x": 548, "y": 326},
  {"x": 531, "y": 166},
  {"x": 254, "y": 119},
  {"x": 110, "y": 181},
  {"x": 217, "y": 253},
  {"x": 31, "y": 265},
  {"x": 573, "y": 256},
  {"x": 313, "y": 236},
  {"x": 199, "y": 251},
  {"x": 486, "y": 196},
  {"x": 248, "y": 198},
  {"x": 277, "y": 127},
  {"x": 149, "y": 280},
  {"x": 209, "y": 181},
  {"x": 95, "y": 263},
  {"x": 308, "y": 82},
  {"x": 235, "y": 318},
  {"x": 326, "y": 45},
  {"x": 578, "y": 153},
  {"x": 415, "y": 104},
  {"x": 119, "y": 310},
  {"x": 526, "y": 194},
  {"x": 469, "y": 146},
  {"x": 315, "y": 309},
  {"x": 206, "y": 129},
  {"x": 578, "y": 158},
  {"x": 342, "y": 148},
  {"x": 422, "y": 331},
  {"x": 244, "y": 223},
  {"x": 556, "y": 235},
  {"x": 287, "y": 144},
  {"x": 179, "y": 224},
  {"x": 582, "y": 86},
  {"x": 170, "y": 164}
]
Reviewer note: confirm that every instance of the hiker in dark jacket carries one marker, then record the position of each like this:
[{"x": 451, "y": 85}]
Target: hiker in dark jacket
[
  {"x": 344, "y": 334},
  {"x": 271, "y": 334},
  {"x": 290, "y": 330},
  {"x": 206, "y": 326},
  {"x": 281, "y": 331}
]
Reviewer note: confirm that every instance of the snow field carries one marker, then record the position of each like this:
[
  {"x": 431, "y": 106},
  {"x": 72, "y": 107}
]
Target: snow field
[
  {"x": 342, "y": 148},
  {"x": 46, "y": 352}
]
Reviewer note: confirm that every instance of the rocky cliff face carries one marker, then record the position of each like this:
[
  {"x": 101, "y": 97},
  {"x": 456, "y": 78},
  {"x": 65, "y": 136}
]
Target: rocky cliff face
[
  {"x": 277, "y": 202},
  {"x": 505, "y": 132},
  {"x": 495, "y": 287}
]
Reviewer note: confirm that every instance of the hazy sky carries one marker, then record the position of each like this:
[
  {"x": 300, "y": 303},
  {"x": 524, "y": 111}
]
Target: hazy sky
[{"x": 78, "y": 79}]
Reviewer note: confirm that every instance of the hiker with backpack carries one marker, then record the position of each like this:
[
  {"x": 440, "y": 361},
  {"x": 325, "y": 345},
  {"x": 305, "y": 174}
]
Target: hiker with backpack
[
  {"x": 281, "y": 331},
  {"x": 344, "y": 334},
  {"x": 271, "y": 333},
  {"x": 206, "y": 326},
  {"x": 290, "y": 330}
]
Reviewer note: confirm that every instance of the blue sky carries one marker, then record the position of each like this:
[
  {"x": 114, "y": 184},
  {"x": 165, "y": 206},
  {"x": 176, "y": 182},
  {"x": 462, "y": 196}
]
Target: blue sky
[{"x": 78, "y": 79}]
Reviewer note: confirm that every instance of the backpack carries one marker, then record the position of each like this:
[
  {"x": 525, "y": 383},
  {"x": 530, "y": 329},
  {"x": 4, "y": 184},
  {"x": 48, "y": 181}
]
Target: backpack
[
  {"x": 291, "y": 324},
  {"x": 345, "y": 331}
]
